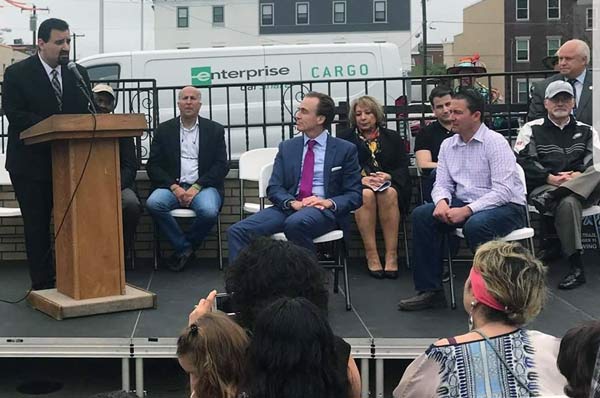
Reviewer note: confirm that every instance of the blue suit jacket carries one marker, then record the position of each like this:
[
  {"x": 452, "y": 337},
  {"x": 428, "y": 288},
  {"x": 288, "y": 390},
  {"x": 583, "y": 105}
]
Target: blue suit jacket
[{"x": 341, "y": 175}]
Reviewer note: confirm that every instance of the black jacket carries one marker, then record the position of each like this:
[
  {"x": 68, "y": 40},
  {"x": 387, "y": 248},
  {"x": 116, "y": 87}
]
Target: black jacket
[
  {"x": 28, "y": 98},
  {"x": 164, "y": 163},
  {"x": 392, "y": 159},
  {"x": 542, "y": 149}
]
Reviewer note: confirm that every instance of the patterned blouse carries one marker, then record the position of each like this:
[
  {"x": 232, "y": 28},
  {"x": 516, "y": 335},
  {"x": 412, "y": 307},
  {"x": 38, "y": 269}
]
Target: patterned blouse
[{"x": 473, "y": 369}]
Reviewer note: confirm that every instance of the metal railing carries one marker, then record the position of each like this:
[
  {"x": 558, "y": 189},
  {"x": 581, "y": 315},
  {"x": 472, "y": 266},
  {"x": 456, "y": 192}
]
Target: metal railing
[{"x": 262, "y": 114}]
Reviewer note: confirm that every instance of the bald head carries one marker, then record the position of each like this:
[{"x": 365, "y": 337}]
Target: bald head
[
  {"x": 573, "y": 58},
  {"x": 189, "y": 104}
]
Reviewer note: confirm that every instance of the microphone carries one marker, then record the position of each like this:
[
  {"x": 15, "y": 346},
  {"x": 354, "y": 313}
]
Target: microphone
[{"x": 72, "y": 66}]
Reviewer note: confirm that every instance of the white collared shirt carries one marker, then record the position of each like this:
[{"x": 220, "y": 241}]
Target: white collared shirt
[
  {"x": 49, "y": 70},
  {"x": 190, "y": 148}
]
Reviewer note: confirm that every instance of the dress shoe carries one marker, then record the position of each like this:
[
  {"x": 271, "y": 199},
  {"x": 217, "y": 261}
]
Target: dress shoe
[
  {"x": 544, "y": 203},
  {"x": 178, "y": 262},
  {"x": 573, "y": 279},
  {"x": 378, "y": 274},
  {"x": 374, "y": 266},
  {"x": 391, "y": 274},
  {"x": 424, "y": 300}
]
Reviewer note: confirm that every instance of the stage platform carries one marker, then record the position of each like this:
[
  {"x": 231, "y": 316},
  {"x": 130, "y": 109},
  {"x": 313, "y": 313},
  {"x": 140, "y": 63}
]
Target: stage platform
[{"x": 374, "y": 328}]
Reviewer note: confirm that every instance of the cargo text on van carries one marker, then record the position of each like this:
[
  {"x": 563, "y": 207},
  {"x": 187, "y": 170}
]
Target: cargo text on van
[{"x": 318, "y": 72}]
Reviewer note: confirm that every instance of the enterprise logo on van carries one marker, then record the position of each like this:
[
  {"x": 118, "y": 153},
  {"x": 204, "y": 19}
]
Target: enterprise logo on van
[
  {"x": 201, "y": 76},
  {"x": 204, "y": 76}
]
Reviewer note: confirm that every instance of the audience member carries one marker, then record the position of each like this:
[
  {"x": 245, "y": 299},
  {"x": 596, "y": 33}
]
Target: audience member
[
  {"x": 293, "y": 353},
  {"x": 268, "y": 270},
  {"x": 187, "y": 168},
  {"x": 498, "y": 357},
  {"x": 212, "y": 351},
  {"x": 429, "y": 139},
  {"x": 477, "y": 187},
  {"x": 385, "y": 181},
  {"x": 314, "y": 186},
  {"x": 573, "y": 60},
  {"x": 104, "y": 97},
  {"x": 578, "y": 360},
  {"x": 556, "y": 153}
]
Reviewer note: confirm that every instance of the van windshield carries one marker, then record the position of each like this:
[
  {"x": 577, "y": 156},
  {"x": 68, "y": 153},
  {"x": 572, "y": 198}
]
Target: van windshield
[{"x": 104, "y": 72}]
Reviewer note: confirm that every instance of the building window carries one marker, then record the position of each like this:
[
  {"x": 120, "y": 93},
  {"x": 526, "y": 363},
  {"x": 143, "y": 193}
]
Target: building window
[
  {"x": 218, "y": 15},
  {"x": 339, "y": 12},
  {"x": 522, "y": 10},
  {"x": 589, "y": 19},
  {"x": 553, "y": 9},
  {"x": 302, "y": 13},
  {"x": 552, "y": 44},
  {"x": 522, "y": 49},
  {"x": 522, "y": 91},
  {"x": 379, "y": 11},
  {"x": 183, "y": 17},
  {"x": 266, "y": 14}
]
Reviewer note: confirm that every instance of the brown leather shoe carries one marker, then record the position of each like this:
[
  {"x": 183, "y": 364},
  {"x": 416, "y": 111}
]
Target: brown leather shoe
[{"x": 423, "y": 301}]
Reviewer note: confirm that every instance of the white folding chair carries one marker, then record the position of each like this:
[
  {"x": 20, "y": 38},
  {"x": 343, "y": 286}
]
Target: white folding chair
[
  {"x": 187, "y": 213},
  {"x": 335, "y": 236},
  {"x": 525, "y": 233},
  {"x": 250, "y": 164},
  {"x": 5, "y": 180}
]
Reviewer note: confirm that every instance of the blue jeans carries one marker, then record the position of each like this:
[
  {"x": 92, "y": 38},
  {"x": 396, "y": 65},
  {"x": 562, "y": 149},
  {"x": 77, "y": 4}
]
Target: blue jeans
[
  {"x": 300, "y": 227},
  {"x": 206, "y": 205},
  {"x": 429, "y": 235}
]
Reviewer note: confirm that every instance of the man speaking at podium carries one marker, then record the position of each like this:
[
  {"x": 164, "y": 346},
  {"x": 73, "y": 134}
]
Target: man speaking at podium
[{"x": 34, "y": 89}]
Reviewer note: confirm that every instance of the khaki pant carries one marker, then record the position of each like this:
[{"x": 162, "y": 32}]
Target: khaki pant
[{"x": 567, "y": 215}]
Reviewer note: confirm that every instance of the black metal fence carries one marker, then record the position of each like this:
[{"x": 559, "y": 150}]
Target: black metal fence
[{"x": 262, "y": 114}]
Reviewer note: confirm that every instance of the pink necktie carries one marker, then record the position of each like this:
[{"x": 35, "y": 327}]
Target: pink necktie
[{"x": 308, "y": 172}]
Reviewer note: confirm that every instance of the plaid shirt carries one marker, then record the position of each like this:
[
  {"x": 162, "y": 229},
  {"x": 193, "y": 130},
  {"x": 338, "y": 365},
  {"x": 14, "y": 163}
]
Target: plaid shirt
[{"x": 481, "y": 172}]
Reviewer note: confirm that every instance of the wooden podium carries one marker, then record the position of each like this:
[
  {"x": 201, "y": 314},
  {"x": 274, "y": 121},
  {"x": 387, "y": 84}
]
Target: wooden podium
[{"x": 90, "y": 272}]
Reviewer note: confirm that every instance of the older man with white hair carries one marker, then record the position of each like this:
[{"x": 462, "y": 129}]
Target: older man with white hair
[
  {"x": 556, "y": 153},
  {"x": 573, "y": 60}
]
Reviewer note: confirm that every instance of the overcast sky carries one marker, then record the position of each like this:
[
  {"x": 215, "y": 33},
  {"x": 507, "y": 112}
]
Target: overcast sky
[{"x": 122, "y": 22}]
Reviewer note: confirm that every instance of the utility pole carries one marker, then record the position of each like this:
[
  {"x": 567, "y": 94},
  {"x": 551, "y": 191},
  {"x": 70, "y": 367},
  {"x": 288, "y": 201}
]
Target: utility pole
[
  {"x": 142, "y": 25},
  {"x": 424, "y": 32},
  {"x": 424, "y": 49},
  {"x": 75, "y": 36},
  {"x": 101, "y": 27}
]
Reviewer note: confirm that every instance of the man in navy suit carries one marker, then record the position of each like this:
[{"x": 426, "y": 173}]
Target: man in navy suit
[
  {"x": 314, "y": 186},
  {"x": 34, "y": 89}
]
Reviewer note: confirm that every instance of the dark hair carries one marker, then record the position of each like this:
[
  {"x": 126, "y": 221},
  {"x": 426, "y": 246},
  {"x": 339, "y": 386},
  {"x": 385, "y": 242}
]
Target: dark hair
[
  {"x": 48, "y": 25},
  {"x": 325, "y": 108},
  {"x": 475, "y": 101},
  {"x": 292, "y": 353},
  {"x": 439, "y": 91},
  {"x": 577, "y": 358},
  {"x": 267, "y": 270}
]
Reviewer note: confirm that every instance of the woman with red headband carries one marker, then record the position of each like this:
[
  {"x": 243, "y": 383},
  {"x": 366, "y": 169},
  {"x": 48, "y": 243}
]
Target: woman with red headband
[{"x": 498, "y": 357}]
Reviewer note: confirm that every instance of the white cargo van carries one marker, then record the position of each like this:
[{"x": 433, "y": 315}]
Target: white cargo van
[{"x": 231, "y": 72}]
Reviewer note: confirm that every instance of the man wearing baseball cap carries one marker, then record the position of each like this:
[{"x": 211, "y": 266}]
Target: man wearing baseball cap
[
  {"x": 104, "y": 98},
  {"x": 556, "y": 153}
]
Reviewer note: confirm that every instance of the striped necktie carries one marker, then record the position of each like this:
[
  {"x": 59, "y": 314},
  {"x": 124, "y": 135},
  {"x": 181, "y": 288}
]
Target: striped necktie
[
  {"x": 572, "y": 83},
  {"x": 57, "y": 88}
]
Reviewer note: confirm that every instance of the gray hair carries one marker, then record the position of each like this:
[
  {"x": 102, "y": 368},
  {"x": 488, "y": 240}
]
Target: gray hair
[{"x": 197, "y": 91}]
